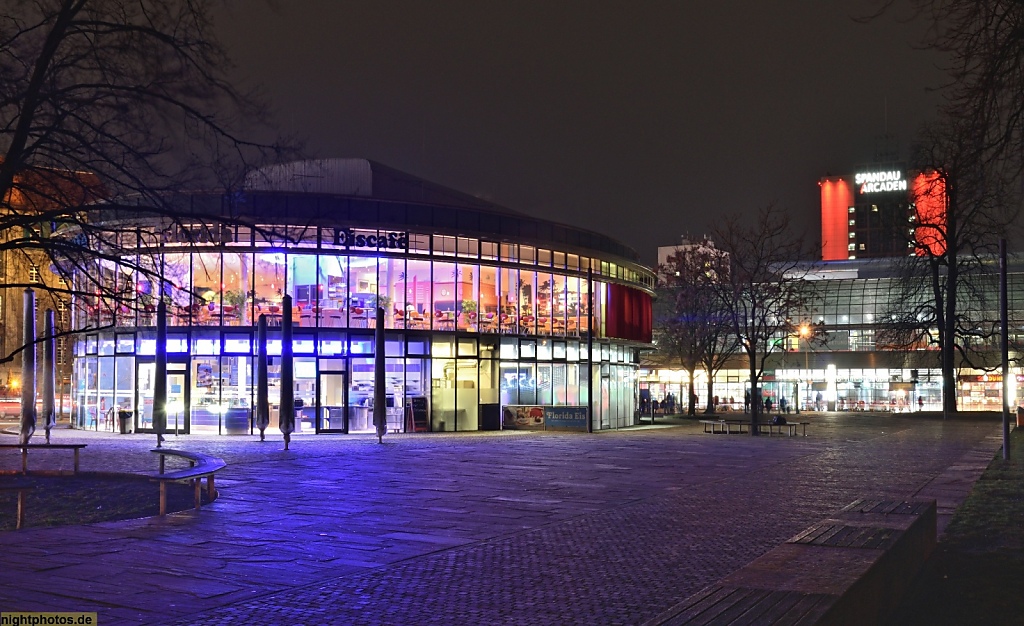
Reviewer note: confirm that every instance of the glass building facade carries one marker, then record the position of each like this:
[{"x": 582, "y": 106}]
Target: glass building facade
[
  {"x": 484, "y": 308},
  {"x": 853, "y": 367}
]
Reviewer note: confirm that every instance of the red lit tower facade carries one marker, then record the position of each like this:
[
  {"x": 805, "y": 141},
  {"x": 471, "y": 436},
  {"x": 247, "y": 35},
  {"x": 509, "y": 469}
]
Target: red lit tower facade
[{"x": 883, "y": 211}]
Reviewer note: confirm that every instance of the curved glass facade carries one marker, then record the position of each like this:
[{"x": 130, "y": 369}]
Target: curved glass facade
[{"x": 472, "y": 325}]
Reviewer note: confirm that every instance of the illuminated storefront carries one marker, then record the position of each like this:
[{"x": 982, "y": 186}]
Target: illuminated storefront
[
  {"x": 852, "y": 366},
  {"x": 483, "y": 308}
]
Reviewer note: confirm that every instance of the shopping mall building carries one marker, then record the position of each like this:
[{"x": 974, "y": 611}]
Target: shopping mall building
[
  {"x": 865, "y": 218},
  {"x": 487, "y": 311}
]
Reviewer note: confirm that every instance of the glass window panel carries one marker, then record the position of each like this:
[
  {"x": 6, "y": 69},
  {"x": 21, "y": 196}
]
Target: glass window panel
[
  {"x": 418, "y": 295},
  {"x": 303, "y": 285},
  {"x": 488, "y": 315},
  {"x": 125, "y": 344},
  {"x": 544, "y": 350},
  {"x": 527, "y": 302},
  {"x": 333, "y": 293},
  {"x": 237, "y": 308},
  {"x": 269, "y": 285},
  {"x": 238, "y": 344},
  {"x": 528, "y": 349},
  {"x": 468, "y": 298},
  {"x": 391, "y": 284},
  {"x": 418, "y": 346},
  {"x": 467, "y": 347},
  {"x": 360, "y": 345},
  {"x": 558, "y": 350},
  {"x": 446, "y": 294},
  {"x": 332, "y": 346},
  {"x": 468, "y": 247},
  {"x": 572, "y": 351},
  {"x": 509, "y": 348}
]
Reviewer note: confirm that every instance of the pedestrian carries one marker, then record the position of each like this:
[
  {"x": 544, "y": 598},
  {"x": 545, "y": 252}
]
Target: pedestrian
[
  {"x": 920, "y": 403},
  {"x": 715, "y": 403},
  {"x": 818, "y": 399},
  {"x": 746, "y": 400},
  {"x": 768, "y": 405},
  {"x": 654, "y": 407},
  {"x": 783, "y": 405}
]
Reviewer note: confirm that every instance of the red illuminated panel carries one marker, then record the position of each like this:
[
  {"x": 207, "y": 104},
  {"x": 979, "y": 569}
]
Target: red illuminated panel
[
  {"x": 930, "y": 198},
  {"x": 629, "y": 313},
  {"x": 836, "y": 200}
]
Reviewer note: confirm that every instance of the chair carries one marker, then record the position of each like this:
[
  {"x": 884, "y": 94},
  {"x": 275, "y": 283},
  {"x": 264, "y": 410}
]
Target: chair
[
  {"x": 357, "y": 317},
  {"x": 444, "y": 320},
  {"x": 508, "y": 323},
  {"x": 488, "y": 324},
  {"x": 527, "y": 324}
]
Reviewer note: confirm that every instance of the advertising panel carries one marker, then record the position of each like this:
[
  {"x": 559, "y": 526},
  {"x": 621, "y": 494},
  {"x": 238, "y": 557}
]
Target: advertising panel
[{"x": 534, "y": 417}]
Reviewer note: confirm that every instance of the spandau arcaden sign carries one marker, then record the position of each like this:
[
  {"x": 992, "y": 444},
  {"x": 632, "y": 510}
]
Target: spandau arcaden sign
[{"x": 874, "y": 182}]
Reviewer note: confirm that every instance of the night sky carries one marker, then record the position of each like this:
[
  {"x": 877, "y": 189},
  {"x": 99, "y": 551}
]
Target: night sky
[{"x": 641, "y": 120}]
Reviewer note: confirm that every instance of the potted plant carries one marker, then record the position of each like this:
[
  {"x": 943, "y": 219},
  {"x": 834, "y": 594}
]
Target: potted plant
[
  {"x": 235, "y": 298},
  {"x": 383, "y": 302},
  {"x": 468, "y": 306}
]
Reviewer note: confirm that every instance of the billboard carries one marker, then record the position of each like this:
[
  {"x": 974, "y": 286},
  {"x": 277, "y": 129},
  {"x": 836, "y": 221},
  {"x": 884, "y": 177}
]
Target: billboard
[{"x": 534, "y": 417}]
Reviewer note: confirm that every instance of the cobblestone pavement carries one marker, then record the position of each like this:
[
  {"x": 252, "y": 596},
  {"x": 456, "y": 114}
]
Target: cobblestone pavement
[{"x": 474, "y": 528}]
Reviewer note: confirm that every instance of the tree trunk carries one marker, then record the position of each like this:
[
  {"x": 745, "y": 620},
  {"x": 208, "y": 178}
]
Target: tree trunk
[
  {"x": 755, "y": 399},
  {"x": 711, "y": 408},
  {"x": 691, "y": 397},
  {"x": 949, "y": 343}
]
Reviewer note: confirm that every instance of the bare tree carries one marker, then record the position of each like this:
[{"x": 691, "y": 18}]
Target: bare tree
[
  {"x": 764, "y": 287},
  {"x": 962, "y": 206},
  {"x": 693, "y": 327},
  {"x": 108, "y": 110}
]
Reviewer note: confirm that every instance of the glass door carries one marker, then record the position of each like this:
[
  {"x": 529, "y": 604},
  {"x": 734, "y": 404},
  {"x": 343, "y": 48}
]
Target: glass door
[
  {"x": 332, "y": 416},
  {"x": 176, "y": 385},
  {"x": 177, "y": 398}
]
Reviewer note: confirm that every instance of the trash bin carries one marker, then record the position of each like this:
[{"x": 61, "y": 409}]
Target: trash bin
[
  {"x": 490, "y": 417},
  {"x": 123, "y": 418}
]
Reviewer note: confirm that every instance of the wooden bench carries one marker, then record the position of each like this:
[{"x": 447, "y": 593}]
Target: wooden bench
[
  {"x": 200, "y": 465},
  {"x": 25, "y": 447},
  {"x": 788, "y": 427},
  {"x": 725, "y": 426},
  {"x": 849, "y": 569},
  {"x": 22, "y": 490}
]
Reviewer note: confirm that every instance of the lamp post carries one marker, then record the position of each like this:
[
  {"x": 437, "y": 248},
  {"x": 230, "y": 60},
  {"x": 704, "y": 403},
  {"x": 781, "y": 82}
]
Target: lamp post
[{"x": 804, "y": 333}]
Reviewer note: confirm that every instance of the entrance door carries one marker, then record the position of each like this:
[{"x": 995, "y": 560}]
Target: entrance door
[
  {"x": 176, "y": 419},
  {"x": 177, "y": 397},
  {"x": 332, "y": 416}
]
